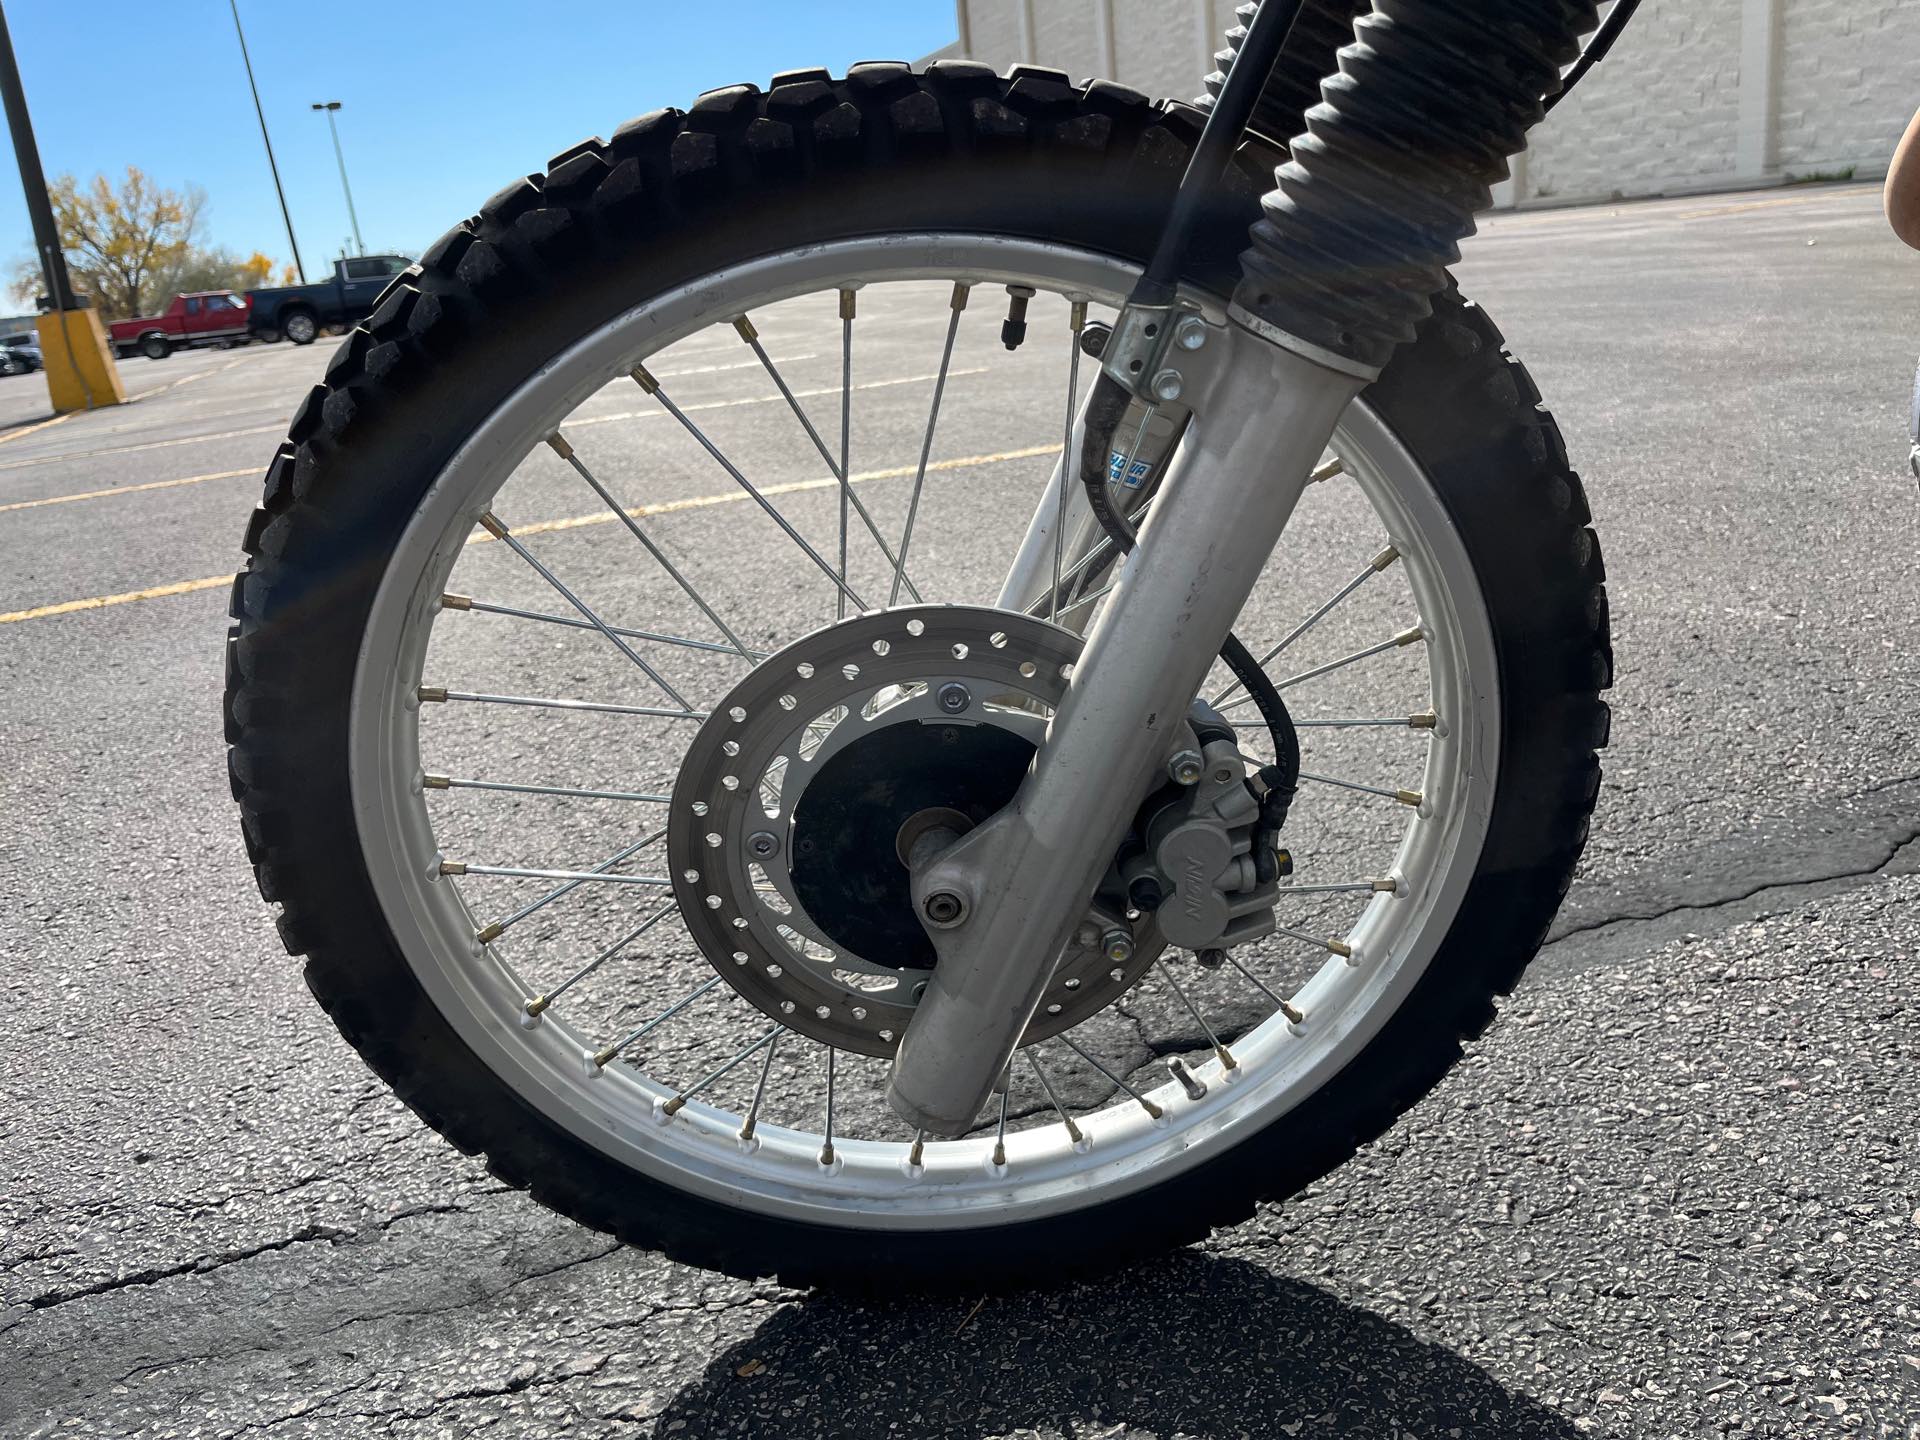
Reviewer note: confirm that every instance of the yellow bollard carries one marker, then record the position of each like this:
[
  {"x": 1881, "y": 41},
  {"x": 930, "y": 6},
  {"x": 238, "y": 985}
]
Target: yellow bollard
[{"x": 81, "y": 374}]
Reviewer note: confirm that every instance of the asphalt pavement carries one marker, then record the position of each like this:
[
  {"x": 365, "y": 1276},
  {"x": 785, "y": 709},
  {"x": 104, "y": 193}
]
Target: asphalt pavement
[{"x": 1672, "y": 1192}]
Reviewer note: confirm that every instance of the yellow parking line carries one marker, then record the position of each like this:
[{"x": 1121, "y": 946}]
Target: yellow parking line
[
  {"x": 100, "y": 602},
  {"x": 575, "y": 522},
  {"x": 126, "y": 489},
  {"x": 40, "y": 425}
]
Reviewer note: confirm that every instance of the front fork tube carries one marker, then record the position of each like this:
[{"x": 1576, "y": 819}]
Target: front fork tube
[{"x": 1021, "y": 883}]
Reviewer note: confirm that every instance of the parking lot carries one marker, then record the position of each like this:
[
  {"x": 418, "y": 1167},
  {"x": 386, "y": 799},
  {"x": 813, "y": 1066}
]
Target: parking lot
[{"x": 1673, "y": 1192}]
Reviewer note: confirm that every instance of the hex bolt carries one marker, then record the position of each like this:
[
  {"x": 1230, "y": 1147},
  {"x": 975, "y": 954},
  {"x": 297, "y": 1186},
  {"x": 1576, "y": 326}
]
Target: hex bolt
[
  {"x": 1167, "y": 385},
  {"x": 1185, "y": 767},
  {"x": 1117, "y": 946},
  {"x": 1191, "y": 333},
  {"x": 762, "y": 844},
  {"x": 1210, "y": 959},
  {"x": 944, "y": 908},
  {"x": 955, "y": 697}
]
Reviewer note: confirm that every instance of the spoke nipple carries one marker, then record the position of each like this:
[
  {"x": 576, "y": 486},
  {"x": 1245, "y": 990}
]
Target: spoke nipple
[
  {"x": 492, "y": 933},
  {"x": 1408, "y": 797},
  {"x": 456, "y": 602},
  {"x": 746, "y": 1131},
  {"x": 1227, "y": 1062},
  {"x": 914, "y": 1156},
  {"x": 846, "y": 305},
  {"x": 1294, "y": 1017},
  {"x": 435, "y": 782},
  {"x": 453, "y": 867},
  {"x": 1327, "y": 471},
  {"x": 1000, "y": 1155},
  {"x": 432, "y": 694},
  {"x": 1340, "y": 948},
  {"x": 560, "y": 445},
  {"x": 1425, "y": 720},
  {"x": 674, "y": 1106},
  {"x": 1385, "y": 558},
  {"x": 1185, "y": 767},
  {"x": 745, "y": 327},
  {"x": 1195, "y": 1089},
  {"x": 538, "y": 1005},
  {"x": 643, "y": 377},
  {"x": 1387, "y": 885},
  {"x": 826, "y": 1154},
  {"x": 1411, "y": 637},
  {"x": 1077, "y": 316},
  {"x": 1154, "y": 1112},
  {"x": 960, "y": 292},
  {"x": 492, "y": 524},
  {"x": 1073, "y": 1131},
  {"x": 605, "y": 1057}
]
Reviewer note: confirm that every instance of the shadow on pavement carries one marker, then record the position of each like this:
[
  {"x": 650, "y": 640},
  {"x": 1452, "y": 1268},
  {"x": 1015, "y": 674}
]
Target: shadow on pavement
[{"x": 1196, "y": 1345}]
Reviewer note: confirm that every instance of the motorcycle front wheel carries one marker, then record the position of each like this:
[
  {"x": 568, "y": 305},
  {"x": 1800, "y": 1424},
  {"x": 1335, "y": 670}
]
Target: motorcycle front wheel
[{"x": 613, "y": 586}]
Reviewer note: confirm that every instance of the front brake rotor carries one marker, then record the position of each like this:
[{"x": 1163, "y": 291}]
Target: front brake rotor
[{"x": 806, "y": 787}]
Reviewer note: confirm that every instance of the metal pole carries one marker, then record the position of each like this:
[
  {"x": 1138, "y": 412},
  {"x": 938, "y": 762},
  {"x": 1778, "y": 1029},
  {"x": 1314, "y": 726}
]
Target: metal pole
[
  {"x": 359, "y": 245},
  {"x": 46, "y": 234},
  {"x": 247, "y": 60}
]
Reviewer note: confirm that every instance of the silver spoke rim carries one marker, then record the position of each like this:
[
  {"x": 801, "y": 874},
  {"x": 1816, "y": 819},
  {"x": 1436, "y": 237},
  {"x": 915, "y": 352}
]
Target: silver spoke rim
[{"x": 749, "y": 1139}]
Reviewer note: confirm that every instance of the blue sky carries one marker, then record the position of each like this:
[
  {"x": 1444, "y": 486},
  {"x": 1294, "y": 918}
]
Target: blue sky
[{"x": 444, "y": 102}]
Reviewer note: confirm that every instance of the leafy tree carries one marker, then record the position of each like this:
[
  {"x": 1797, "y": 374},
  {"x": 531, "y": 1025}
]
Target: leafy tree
[{"x": 119, "y": 240}]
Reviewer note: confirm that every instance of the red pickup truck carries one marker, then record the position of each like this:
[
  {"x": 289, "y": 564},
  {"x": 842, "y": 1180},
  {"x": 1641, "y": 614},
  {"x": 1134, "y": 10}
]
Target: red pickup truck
[{"x": 207, "y": 317}]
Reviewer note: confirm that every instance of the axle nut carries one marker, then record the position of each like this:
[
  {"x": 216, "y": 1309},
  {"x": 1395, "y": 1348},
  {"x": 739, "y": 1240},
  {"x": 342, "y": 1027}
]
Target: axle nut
[{"x": 944, "y": 908}]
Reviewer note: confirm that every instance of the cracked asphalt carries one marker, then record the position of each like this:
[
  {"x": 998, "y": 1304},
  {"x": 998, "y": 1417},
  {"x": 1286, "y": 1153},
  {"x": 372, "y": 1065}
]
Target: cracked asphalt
[{"x": 1671, "y": 1193}]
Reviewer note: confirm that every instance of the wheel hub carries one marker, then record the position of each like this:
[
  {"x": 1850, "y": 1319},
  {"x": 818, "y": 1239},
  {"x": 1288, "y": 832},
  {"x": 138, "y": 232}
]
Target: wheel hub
[{"x": 810, "y": 788}]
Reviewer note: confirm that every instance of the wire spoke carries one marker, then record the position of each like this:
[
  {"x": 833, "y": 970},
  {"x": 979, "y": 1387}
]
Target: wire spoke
[
  {"x": 434, "y": 694},
  {"x": 1372, "y": 568},
  {"x": 1426, "y": 720},
  {"x": 957, "y": 304},
  {"x": 675, "y": 1105},
  {"x": 1405, "y": 637},
  {"x": 1294, "y": 1017},
  {"x": 564, "y": 450},
  {"x": 499, "y": 927},
  {"x": 826, "y": 1148},
  {"x": 1076, "y": 324},
  {"x": 485, "y": 607},
  {"x": 848, "y": 310},
  {"x": 759, "y": 1091},
  {"x": 1145, "y": 1104},
  {"x": 515, "y": 872},
  {"x": 497, "y": 528},
  {"x": 1000, "y": 1134},
  {"x": 651, "y": 386},
  {"x": 1073, "y": 1130},
  {"x": 1405, "y": 797},
  {"x": 1226, "y": 1056},
  {"x": 602, "y": 1058},
  {"x": 1386, "y": 885},
  {"x": 541, "y": 1001},
  {"x": 451, "y": 782}
]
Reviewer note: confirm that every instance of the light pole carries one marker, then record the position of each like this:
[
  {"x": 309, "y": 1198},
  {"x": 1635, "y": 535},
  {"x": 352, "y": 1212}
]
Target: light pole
[
  {"x": 247, "y": 60},
  {"x": 359, "y": 245}
]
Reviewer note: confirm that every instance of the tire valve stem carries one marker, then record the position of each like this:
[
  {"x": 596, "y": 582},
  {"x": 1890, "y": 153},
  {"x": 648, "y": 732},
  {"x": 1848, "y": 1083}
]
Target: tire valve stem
[
  {"x": 1013, "y": 329},
  {"x": 1196, "y": 1090}
]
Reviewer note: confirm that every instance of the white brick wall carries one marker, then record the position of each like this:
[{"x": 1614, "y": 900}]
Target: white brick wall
[
  {"x": 1849, "y": 82},
  {"x": 1669, "y": 109},
  {"x": 1662, "y": 110}
]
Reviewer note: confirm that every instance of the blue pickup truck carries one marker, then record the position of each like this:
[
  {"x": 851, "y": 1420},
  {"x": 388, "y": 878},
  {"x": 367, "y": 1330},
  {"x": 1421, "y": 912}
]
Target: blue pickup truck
[{"x": 300, "y": 312}]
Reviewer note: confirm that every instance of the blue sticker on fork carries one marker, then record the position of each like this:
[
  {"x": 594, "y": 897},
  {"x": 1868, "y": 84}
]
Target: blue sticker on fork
[{"x": 1116, "y": 463}]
